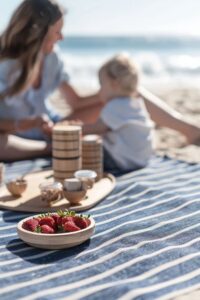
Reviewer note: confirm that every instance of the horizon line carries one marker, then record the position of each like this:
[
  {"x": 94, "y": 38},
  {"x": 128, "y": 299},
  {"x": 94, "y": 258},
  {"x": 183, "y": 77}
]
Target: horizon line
[{"x": 127, "y": 35}]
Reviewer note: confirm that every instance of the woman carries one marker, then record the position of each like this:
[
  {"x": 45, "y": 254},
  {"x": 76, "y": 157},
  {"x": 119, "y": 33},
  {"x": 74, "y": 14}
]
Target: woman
[{"x": 30, "y": 70}]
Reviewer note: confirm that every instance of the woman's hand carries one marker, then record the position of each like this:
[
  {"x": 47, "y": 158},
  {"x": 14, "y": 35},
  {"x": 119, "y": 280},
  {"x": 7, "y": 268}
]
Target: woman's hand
[{"x": 44, "y": 123}]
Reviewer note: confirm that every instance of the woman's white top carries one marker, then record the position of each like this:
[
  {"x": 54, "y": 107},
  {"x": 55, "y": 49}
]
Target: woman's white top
[{"x": 32, "y": 102}]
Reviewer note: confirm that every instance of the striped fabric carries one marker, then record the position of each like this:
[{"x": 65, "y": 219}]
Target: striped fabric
[{"x": 146, "y": 245}]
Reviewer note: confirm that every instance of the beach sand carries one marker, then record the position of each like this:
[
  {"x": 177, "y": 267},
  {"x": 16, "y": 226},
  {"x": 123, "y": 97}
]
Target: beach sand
[
  {"x": 172, "y": 143},
  {"x": 168, "y": 142}
]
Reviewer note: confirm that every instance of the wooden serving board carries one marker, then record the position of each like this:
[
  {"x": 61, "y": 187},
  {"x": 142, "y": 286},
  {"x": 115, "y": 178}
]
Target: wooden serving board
[{"x": 31, "y": 201}]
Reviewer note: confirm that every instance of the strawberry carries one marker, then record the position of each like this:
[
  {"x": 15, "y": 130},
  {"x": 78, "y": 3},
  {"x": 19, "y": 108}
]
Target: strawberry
[
  {"x": 47, "y": 229},
  {"x": 55, "y": 217},
  {"x": 80, "y": 222},
  {"x": 87, "y": 221},
  {"x": 62, "y": 220},
  {"x": 67, "y": 219},
  {"x": 37, "y": 218},
  {"x": 47, "y": 220},
  {"x": 31, "y": 224},
  {"x": 70, "y": 226},
  {"x": 59, "y": 221}
]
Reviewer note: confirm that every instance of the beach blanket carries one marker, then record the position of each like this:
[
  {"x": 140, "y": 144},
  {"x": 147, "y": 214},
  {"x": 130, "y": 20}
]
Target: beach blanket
[{"x": 146, "y": 245}]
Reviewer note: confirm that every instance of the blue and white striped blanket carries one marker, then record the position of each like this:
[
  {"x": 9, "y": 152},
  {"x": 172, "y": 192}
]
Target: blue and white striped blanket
[{"x": 146, "y": 245}]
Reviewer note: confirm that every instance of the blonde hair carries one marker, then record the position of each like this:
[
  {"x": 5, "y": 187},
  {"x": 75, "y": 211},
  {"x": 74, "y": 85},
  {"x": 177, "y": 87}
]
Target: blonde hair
[
  {"x": 124, "y": 70},
  {"x": 24, "y": 36}
]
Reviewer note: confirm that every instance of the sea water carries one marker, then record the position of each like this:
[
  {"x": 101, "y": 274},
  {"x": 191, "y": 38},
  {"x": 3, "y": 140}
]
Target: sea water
[{"x": 170, "y": 60}]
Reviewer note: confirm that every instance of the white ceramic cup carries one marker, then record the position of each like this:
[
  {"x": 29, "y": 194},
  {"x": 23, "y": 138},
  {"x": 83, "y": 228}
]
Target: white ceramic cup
[
  {"x": 72, "y": 184},
  {"x": 86, "y": 176}
]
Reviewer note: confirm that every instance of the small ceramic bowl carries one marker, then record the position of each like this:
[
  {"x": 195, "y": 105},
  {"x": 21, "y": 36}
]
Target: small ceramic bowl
[
  {"x": 57, "y": 240},
  {"x": 74, "y": 197},
  {"x": 17, "y": 187},
  {"x": 51, "y": 191},
  {"x": 86, "y": 176}
]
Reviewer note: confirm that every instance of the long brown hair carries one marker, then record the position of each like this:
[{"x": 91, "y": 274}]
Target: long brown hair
[{"x": 24, "y": 36}]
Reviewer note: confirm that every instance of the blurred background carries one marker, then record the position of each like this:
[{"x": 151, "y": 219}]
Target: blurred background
[{"x": 163, "y": 36}]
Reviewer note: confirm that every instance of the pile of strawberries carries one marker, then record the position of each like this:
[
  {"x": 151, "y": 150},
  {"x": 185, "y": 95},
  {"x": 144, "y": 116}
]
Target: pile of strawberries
[{"x": 60, "y": 222}]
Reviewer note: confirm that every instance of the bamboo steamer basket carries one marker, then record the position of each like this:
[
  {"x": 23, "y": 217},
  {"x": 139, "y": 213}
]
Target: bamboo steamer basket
[
  {"x": 66, "y": 130},
  {"x": 92, "y": 154},
  {"x": 67, "y": 151},
  {"x": 64, "y": 175},
  {"x": 67, "y": 138},
  {"x": 90, "y": 165},
  {"x": 93, "y": 160},
  {"x": 67, "y": 165},
  {"x": 66, "y": 145}
]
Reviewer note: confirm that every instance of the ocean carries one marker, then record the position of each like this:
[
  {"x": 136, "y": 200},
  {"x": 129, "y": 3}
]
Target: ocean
[{"x": 162, "y": 60}]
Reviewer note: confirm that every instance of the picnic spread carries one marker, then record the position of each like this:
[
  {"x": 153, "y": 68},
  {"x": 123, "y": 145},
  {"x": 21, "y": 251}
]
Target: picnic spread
[{"x": 141, "y": 240}]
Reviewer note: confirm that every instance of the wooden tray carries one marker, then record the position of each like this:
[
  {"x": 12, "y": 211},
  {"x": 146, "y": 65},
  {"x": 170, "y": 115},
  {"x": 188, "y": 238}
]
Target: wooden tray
[{"x": 31, "y": 201}]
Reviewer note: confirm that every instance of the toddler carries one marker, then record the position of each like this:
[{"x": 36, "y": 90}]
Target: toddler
[{"x": 123, "y": 123}]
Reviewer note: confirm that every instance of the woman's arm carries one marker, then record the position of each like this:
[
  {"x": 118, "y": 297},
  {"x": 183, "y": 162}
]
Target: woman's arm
[
  {"x": 12, "y": 126},
  {"x": 163, "y": 115},
  {"x": 74, "y": 100},
  {"x": 160, "y": 112}
]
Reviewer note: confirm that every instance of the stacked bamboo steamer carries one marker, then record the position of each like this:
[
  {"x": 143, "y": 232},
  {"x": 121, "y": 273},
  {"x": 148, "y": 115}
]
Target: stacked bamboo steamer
[
  {"x": 92, "y": 154},
  {"x": 67, "y": 151}
]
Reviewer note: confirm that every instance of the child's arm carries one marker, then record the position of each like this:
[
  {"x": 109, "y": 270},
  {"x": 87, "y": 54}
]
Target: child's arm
[{"x": 96, "y": 128}]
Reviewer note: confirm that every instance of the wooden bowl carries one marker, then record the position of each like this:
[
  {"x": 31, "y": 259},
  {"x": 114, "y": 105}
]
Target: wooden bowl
[
  {"x": 74, "y": 197},
  {"x": 57, "y": 240},
  {"x": 17, "y": 187}
]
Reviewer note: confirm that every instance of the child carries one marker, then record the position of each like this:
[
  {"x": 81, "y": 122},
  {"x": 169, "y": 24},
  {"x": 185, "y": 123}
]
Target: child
[{"x": 124, "y": 122}]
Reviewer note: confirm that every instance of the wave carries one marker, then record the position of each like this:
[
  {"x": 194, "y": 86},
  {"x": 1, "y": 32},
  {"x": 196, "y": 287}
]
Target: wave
[
  {"x": 159, "y": 57},
  {"x": 83, "y": 68},
  {"x": 132, "y": 42}
]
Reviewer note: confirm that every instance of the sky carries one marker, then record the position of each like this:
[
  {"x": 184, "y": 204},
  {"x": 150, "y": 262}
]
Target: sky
[{"x": 124, "y": 17}]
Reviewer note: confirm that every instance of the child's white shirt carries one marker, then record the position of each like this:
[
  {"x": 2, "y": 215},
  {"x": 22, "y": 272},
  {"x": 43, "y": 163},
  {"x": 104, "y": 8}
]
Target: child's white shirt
[{"x": 130, "y": 139}]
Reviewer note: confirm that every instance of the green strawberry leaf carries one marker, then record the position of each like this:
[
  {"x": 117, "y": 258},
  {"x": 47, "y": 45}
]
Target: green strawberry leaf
[{"x": 38, "y": 229}]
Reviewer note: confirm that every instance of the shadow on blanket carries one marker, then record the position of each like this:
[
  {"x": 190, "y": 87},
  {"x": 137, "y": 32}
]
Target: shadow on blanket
[{"x": 53, "y": 255}]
